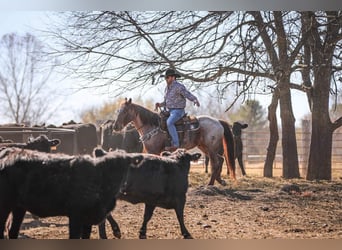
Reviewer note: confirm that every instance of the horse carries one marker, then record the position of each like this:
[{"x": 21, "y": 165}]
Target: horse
[
  {"x": 214, "y": 139},
  {"x": 237, "y": 130}
]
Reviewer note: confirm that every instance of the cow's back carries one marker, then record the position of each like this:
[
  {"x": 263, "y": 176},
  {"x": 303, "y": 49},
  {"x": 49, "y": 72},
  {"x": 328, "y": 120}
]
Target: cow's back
[{"x": 86, "y": 136}]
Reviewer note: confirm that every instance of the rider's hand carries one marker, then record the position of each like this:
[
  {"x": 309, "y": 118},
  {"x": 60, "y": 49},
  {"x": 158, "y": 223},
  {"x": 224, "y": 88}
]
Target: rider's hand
[
  {"x": 157, "y": 105},
  {"x": 197, "y": 103}
]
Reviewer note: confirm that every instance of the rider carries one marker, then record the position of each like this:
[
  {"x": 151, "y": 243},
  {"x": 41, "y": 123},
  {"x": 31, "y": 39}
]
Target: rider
[{"x": 175, "y": 101}]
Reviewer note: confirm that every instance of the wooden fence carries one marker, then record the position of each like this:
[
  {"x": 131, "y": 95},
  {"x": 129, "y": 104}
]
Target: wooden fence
[{"x": 255, "y": 149}]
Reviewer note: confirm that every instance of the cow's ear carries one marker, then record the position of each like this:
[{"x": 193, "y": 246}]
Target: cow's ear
[
  {"x": 98, "y": 152},
  {"x": 195, "y": 157},
  {"x": 137, "y": 159},
  {"x": 55, "y": 142}
]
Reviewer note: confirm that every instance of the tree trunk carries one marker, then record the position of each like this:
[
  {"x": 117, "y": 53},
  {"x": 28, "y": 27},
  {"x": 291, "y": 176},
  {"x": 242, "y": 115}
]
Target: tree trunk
[
  {"x": 322, "y": 49},
  {"x": 319, "y": 167},
  {"x": 289, "y": 142},
  {"x": 274, "y": 135}
]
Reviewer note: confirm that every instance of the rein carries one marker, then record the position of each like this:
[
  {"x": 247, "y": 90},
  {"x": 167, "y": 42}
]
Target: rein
[{"x": 134, "y": 128}]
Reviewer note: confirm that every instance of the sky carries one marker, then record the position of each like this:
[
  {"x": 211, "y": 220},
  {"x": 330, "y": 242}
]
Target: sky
[{"x": 72, "y": 104}]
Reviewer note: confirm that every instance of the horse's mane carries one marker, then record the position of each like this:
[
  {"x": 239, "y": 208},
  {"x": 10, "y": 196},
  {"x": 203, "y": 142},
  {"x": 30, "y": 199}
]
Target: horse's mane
[{"x": 147, "y": 116}]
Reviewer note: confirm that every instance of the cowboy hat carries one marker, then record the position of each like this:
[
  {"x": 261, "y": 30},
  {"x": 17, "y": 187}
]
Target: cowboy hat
[{"x": 170, "y": 72}]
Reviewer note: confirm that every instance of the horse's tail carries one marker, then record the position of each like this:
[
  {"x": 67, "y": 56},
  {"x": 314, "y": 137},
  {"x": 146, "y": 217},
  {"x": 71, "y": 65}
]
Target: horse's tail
[{"x": 229, "y": 149}]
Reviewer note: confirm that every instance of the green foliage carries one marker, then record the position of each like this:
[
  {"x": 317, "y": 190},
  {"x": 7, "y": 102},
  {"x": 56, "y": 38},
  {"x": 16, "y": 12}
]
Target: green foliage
[{"x": 252, "y": 113}]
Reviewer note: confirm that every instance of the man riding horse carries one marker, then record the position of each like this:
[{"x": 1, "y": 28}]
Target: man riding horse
[{"x": 175, "y": 101}]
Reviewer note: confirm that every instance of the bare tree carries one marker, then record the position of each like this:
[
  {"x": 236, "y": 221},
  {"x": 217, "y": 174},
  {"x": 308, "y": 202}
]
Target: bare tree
[
  {"x": 323, "y": 60},
  {"x": 237, "y": 53},
  {"x": 24, "y": 75}
]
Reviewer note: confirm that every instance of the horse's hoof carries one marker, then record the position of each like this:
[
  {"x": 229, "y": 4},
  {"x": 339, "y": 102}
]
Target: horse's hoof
[
  {"x": 188, "y": 237},
  {"x": 223, "y": 183}
]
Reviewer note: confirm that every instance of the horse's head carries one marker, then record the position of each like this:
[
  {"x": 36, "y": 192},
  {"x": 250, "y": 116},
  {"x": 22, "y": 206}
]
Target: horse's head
[{"x": 125, "y": 115}]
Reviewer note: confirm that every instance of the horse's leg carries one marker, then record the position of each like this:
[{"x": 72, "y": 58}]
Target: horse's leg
[
  {"x": 220, "y": 161},
  {"x": 213, "y": 171},
  {"x": 216, "y": 162},
  {"x": 180, "y": 216},
  {"x": 206, "y": 163},
  {"x": 147, "y": 216},
  {"x": 18, "y": 217},
  {"x": 208, "y": 158}
]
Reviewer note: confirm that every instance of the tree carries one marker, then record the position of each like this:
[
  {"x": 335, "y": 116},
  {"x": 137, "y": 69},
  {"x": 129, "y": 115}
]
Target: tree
[
  {"x": 225, "y": 50},
  {"x": 246, "y": 53},
  {"x": 252, "y": 113},
  {"x": 323, "y": 60},
  {"x": 24, "y": 77}
]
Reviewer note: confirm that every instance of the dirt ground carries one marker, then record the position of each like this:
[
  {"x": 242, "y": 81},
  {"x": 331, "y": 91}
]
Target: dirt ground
[{"x": 253, "y": 208}]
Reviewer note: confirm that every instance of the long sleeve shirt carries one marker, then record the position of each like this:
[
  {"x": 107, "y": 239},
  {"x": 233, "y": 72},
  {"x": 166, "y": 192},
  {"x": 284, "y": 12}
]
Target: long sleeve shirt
[{"x": 176, "y": 95}]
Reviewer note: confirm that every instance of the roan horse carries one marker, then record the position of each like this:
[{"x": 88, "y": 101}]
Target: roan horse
[
  {"x": 214, "y": 139},
  {"x": 237, "y": 130}
]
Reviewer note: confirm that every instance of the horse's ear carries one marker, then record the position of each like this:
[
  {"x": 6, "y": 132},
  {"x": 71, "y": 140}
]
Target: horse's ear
[{"x": 129, "y": 101}]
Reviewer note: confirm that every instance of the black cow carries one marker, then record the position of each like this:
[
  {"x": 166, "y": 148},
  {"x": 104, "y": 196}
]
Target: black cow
[
  {"x": 131, "y": 142},
  {"x": 237, "y": 130},
  {"x": 86, "y": 138},
  {"x": 128, "y": 139},
  {"x": 41, "y": 143},
  {"x": 80, "y": 187},
  {"x": 158, "y": 182},
  {"x": 238, "y": 146},
  {"x": 110, "y": 139}
]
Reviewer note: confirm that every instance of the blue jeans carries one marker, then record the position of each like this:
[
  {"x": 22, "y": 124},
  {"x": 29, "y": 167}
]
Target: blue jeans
[{"x": 175, "y": 115}]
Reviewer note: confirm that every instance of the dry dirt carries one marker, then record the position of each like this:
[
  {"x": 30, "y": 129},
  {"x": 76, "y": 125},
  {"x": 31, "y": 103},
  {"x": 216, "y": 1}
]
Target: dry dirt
[{"x": 253, "y": 208}]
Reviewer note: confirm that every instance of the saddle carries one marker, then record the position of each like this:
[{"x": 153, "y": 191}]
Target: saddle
[{"x": 187, "y": 127}]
